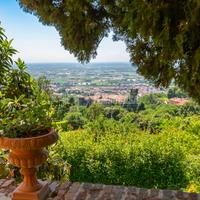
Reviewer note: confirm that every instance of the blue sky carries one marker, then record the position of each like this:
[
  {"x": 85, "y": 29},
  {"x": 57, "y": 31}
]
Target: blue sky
[{"x": 39, "y": 43}]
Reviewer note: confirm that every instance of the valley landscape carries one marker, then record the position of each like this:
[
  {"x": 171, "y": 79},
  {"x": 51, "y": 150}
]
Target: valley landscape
[{"x": 98, "y": 81}]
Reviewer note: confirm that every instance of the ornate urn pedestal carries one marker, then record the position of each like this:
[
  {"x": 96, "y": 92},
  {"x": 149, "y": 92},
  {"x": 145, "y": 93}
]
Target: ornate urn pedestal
[{"x": 28, "y": 154}]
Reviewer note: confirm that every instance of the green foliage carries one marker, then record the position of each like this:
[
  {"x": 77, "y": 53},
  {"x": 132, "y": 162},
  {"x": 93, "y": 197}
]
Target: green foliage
[
  {"x": 55, "y": 168},
  {"x": 61, "y": 107},
  {"x": 150, "y": 100},
  {"x": 162, "y": 37},
  {"x": 44, "y": 84},
  {"x": 94, "y": 111},
  {"x": 25, "y": 106},
  {"x": 146, "y": 121},
  {"x": 114, "y": 112},
  {"x": 176, "y": 92},
  {"x": 71, "y": 101},
  {"x": 14, "y": 81},
  {"x": 6, "y": 53},
  {"x": 157, "y": 147},
  {"x": 135, "y": 158},
  {"x": 4, "y": 169},
  {"x": 141, "y": 107},
  {"x": 23, "y": 117},
  {"x": 61, "y": 126},
  {"x": 74, "y": 120},
  {"x": 190, "y": 109}
]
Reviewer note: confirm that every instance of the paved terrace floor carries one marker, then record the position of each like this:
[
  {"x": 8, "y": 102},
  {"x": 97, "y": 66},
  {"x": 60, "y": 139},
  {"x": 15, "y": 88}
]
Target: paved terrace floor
[{"x": 86, "y": 191}]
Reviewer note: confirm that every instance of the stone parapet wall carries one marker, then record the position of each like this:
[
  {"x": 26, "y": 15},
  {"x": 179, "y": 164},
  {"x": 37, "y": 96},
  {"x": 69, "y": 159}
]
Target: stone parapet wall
[{"x": 87, "y": 191}]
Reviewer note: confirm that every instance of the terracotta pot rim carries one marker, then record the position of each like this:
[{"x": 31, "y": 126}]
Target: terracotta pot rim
[
  {"x": 29, "y": 143},
  {"x": 50, "y": 131}
]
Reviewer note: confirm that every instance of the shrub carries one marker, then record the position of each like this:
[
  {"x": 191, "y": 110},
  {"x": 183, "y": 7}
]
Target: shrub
[
  {"x": 135, "y": 158},
  {"x": 114, "y": 112},
  {"x": 94, "y": 111},
  {"x": 55, "y": 168},
  {"x": 25, "y": 117},
  {"x": 74, "y": 120}
]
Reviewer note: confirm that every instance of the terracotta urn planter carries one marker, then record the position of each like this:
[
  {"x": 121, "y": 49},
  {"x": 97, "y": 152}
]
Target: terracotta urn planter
[{"x": 28, "y": 154}]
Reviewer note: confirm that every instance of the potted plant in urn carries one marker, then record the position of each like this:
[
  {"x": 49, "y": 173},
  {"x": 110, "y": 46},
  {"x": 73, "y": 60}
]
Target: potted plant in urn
[{"x": 25, "y": 122}]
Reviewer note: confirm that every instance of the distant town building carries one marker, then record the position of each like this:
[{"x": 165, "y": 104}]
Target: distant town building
[
  {"x": 178, "y": 101},
  {"x": 131, "y": 102}
]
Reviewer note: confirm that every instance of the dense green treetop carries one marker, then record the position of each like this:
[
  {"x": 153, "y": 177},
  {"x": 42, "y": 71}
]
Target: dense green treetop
[
  {"x": 162, "y": 37},
  {"x": 14, "y": 81}
]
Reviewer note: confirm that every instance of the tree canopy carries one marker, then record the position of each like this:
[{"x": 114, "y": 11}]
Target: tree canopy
[
  {"x": 14, "y": 81},
  {"x": 162, "y": 37}
]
